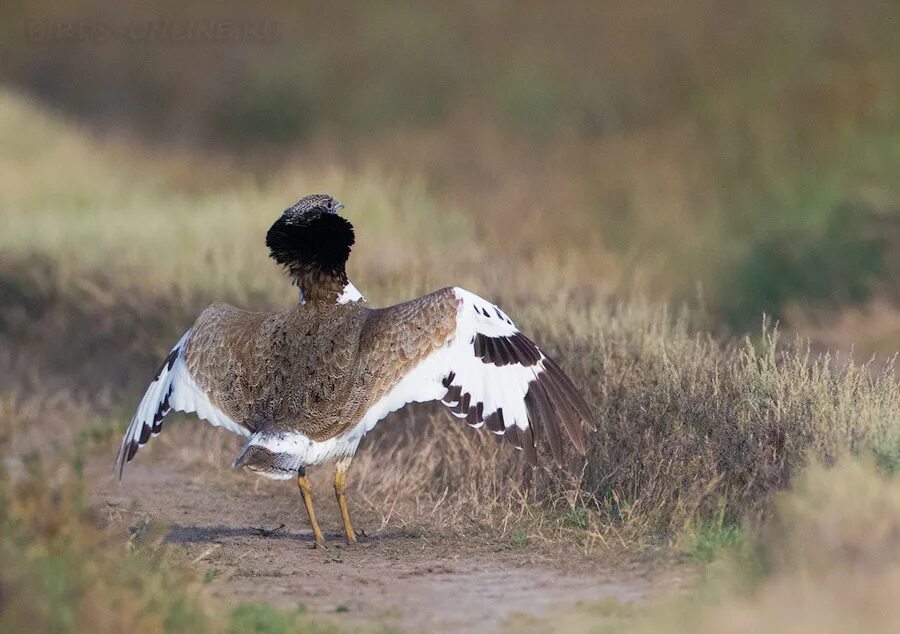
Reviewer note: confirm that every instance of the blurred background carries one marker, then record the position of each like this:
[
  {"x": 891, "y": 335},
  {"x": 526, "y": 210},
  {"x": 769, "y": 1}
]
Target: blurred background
[
  {"x": 743, "y": 157},
  {"x": 637, "y": 182}
]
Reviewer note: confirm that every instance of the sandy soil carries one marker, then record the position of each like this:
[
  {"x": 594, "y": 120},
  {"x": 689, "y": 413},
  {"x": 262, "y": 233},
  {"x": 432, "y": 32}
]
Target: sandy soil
[{"x": 394, "y": 578}]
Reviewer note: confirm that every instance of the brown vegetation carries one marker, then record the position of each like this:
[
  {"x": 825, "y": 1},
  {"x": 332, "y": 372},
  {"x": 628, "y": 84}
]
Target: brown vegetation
[
  {"x": 746, "y": 150},
  {"x": 749, "y": 153}
]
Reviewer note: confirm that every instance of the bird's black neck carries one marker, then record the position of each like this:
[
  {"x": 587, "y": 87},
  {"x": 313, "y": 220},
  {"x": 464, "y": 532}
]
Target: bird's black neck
[{"x": 314, "y": 249}]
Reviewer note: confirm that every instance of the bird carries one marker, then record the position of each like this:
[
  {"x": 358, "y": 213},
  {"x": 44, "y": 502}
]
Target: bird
[{"x": 307, "y": 383}]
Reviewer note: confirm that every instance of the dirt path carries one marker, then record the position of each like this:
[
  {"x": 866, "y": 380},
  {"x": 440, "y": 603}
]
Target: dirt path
[{"x": 395, "y": 579}]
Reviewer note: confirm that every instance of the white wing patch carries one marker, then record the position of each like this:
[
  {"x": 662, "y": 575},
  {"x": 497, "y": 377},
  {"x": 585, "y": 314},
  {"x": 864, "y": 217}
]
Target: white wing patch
[
  {"x": 490, "y": 374},
  {"x": 350, "y": 294},
  {"x": 173, "y": 389}
]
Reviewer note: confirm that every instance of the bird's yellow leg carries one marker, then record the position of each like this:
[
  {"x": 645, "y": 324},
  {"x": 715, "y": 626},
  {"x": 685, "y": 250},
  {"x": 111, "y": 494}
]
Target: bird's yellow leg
[
  {"x": 340, "y": 475},
  {"x": 306, "y": 492}
]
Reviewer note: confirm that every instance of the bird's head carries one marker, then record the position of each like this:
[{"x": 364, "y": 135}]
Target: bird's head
[{"x": 310, "y": 208}]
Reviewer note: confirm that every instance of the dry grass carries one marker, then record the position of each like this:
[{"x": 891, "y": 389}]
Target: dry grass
[{"x": 827, "y": 561}]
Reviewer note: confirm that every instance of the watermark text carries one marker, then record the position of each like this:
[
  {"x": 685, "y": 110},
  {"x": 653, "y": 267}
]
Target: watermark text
[{"x": 159, "y": 30}]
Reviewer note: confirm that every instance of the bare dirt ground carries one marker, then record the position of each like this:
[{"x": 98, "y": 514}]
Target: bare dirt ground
[{"x": 403, "y": 579}]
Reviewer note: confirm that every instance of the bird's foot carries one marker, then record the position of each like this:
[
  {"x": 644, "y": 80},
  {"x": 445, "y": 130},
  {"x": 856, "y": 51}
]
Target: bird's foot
[{"x": 356, "y": 539}]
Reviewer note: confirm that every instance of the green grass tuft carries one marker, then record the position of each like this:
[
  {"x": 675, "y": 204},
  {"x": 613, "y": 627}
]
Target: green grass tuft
[
  {"x": 519, "y": 539},
  {"x": 577, "y": 517},
  {"x": 707, "y": 541}
]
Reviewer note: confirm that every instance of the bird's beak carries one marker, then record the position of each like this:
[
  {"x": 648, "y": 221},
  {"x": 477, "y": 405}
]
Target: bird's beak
[{"x": 338, "y": 207}]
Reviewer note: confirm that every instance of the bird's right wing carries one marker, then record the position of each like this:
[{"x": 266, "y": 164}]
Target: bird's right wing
[{"x": 458, "y": 348}]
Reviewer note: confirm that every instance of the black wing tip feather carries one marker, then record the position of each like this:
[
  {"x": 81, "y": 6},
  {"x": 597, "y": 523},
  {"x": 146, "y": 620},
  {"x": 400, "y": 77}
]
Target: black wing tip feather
[
  {"x": 126, "y": 453},
  {"x": 132, "y": 441},
  {"x": 500, "y": 351},
  {"x": 523, "y": 439},
  {"x": 167, "y": 363},
  {"x": 552, "y": 401},
  {"x": 575, "y": 396},
  {"x": 130, "y": 446}
]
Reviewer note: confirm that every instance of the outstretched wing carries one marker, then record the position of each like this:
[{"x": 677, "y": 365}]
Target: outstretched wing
[
  {"x": 172, "y": 389},
  {"x": 458, "y": 348}
]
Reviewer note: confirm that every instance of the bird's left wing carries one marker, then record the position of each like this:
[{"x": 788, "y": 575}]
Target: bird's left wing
[
  {"x": 458, "y": 348},
  {"x": 173, "y": 388}
]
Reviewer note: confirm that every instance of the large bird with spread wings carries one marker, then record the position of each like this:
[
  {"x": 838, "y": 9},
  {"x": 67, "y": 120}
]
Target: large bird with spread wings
[{"x": 307, "y": 383}]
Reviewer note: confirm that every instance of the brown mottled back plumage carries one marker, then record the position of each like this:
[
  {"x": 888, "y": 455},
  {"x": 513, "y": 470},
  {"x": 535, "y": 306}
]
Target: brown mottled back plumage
[{"x": 312, "y": 368}]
